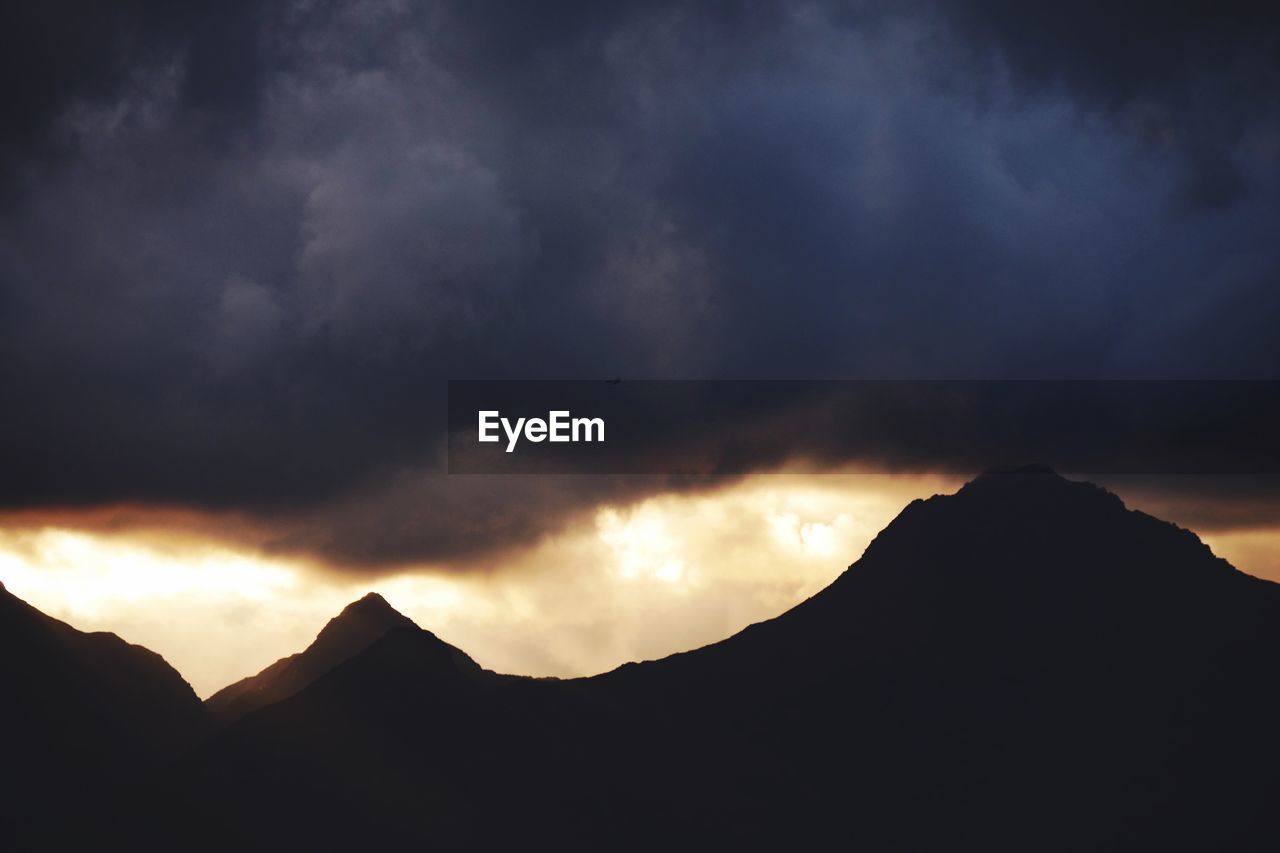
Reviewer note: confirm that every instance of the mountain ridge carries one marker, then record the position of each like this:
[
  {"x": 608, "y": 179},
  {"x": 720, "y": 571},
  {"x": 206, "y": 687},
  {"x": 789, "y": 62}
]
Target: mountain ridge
[
  {"x": 1026, "y": 663},
  {"x": 1026, "y": 653}
]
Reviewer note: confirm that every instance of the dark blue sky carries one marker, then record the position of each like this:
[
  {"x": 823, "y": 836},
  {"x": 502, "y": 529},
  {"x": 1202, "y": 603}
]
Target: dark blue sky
[{"x": 243, "y": 246}]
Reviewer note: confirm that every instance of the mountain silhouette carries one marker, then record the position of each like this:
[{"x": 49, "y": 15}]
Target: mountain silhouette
[
  {"x": 346, "y": 635},
  {"x": 80, "y": 713},
  {"x": 1023, "y": 665}
]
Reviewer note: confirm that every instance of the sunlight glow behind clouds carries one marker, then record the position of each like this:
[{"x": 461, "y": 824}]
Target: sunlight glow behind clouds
[
  {"x": 640, "y": 545},
  {"x": 53, "y": 561},
  {"x": 664, "y": 575},
  {"x": 631, "y": 582}
]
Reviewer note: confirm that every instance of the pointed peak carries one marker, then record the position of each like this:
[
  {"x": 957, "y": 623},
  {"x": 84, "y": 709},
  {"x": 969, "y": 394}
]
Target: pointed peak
[
  {"x": 371, "y": 605},
  {"x": 360, "y": 624},
  {"x": 373, "y": 611}
]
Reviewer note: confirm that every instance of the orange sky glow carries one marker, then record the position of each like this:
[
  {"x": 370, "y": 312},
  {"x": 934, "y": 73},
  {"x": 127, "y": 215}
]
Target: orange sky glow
[{"x": 623, "y": 583}]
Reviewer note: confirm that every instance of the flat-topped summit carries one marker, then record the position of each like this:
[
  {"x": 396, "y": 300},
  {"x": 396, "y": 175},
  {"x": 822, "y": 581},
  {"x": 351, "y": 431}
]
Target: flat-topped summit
[{"x": 1005, "y": 489}]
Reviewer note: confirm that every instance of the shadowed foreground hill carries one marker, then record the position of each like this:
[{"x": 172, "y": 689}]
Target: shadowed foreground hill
[
  {"x": 81, "y": 714},
  {"x": 1024, "y": 665}
]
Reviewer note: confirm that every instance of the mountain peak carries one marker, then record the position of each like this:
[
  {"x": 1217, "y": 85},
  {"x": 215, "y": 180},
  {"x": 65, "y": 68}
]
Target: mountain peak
[
  {"x": 369, "y": 615},
  {"x": 360, "y": 624},
  {"x": 371, "y": 604},
  {"x": 1021, "y": 478},
  {"x": 1029, "y": 550},
  {"x": 1037, "y": 485}
]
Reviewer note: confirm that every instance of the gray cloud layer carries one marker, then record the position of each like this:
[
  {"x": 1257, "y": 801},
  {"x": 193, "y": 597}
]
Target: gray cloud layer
[{"x": 243, "y": 245}]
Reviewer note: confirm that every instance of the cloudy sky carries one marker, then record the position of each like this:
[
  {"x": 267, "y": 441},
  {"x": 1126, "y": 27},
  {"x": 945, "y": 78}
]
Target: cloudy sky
[{"x": 244, "y": 245}]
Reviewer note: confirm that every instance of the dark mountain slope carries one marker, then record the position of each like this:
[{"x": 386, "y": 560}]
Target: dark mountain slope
[
  {"x": 1024, "y": 654},
  {"x": 81, "y": 714},
  {"x": 352, "y": 631},
  {"x": 1025, "y": 664},
  {"x": 405, "y": 740}
]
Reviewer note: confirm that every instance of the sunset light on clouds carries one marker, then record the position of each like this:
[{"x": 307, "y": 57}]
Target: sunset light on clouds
[
  {"x": 627, "y": 582},
  {"x": 380, "y": 378}
]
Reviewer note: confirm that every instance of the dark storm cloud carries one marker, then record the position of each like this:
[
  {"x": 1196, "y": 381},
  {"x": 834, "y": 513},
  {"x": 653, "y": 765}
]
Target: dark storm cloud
[
  {"x": 1115, "y": 53},
  {"x": 1193, "y": 76},
  {"x": 62, "y": 52},
  {"x": 243, "y": 244},
  {"x": 465, "y": 523}
]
